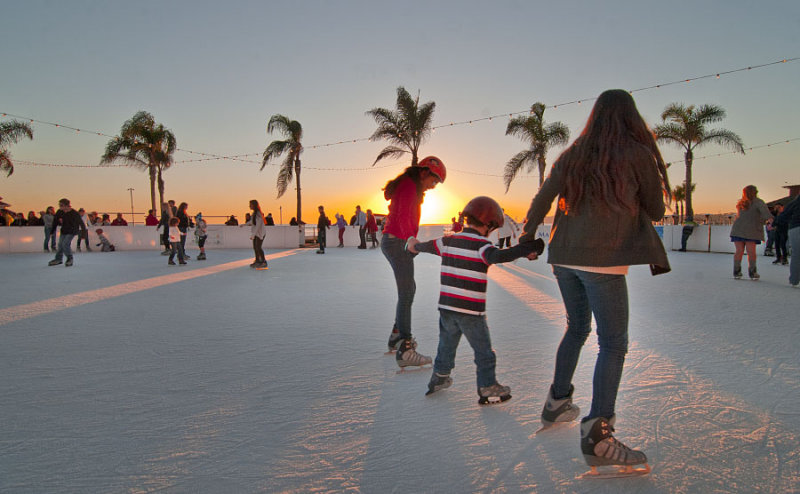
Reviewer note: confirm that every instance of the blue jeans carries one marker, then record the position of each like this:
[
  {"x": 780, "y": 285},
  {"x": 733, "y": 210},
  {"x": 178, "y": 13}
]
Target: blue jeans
[
  {"x": 451, "y": 326},
  {"x": 605, "y": 296},
  {"x": 64, "y": 246},
  {"x": 402, "y": 263},
  {"x": 50, "y": 235},
  {"x": 794, "y": 263}
]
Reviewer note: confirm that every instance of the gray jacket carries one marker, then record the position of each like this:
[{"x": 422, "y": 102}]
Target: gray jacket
[
  {"x": 750, "y": 222},
  {"x": 597, "y": 237}
]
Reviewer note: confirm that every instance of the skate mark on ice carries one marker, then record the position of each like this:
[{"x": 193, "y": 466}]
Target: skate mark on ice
[
  {"x": 33, "y": 309},
  {"x": 550, "y": 308}
]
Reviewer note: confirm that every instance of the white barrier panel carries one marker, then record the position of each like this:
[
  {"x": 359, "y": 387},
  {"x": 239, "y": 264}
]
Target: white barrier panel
[{"x": 714, "y": 238}]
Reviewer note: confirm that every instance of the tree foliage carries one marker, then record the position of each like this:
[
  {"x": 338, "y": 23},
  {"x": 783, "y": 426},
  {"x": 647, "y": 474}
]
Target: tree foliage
[
  {"x": 539, "y": 136},
  {"x": 405, "y": 128}
]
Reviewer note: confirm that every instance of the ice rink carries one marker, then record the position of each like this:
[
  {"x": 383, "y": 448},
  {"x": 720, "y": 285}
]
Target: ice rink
[{"x": 124, "y": 375}]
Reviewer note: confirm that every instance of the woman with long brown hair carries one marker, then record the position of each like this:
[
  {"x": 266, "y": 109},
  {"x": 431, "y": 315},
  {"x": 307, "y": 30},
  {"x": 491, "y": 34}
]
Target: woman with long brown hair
[
  {"x": 748, "y": 230},
  {"x": 611, "y": 185}
]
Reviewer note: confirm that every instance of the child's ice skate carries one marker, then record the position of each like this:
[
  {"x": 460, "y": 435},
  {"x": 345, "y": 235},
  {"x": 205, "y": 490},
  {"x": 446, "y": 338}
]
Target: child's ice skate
[
  {"x": 437, "y": 382},
  {"x": 491, "y": 395},
  {"x": 601, "y": 449},
  {"x": 394, "y": 341},
  {"x": 407, "y": 355},
  {"x": 561, "y": 410}
]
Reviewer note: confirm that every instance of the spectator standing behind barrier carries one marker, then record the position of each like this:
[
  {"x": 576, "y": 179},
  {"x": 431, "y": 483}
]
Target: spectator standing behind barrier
[
  {"x": 456, "y": 226},
  {"x": 791, "y": 216},
  {"x": 49, "y": 228},
  {"x": 270, "y": 221},
  {"x": 232, "y": 221},
  {"x": 342, "y": 225},
  {"x": 71, "y": 225},
  {"x": 748, "y": 230},
  {"x": 406, "y": 193},
  {"x": 119, "y": 221},
  {"x": 361, "y": 223},
  {"x": 611, "y": 185},
  {"x": 150, "y": 219}
]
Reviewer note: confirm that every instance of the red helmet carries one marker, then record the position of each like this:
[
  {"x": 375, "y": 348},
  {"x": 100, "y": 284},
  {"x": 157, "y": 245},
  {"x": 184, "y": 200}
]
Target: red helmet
[
  {"x": 435, "y": 166},
  {"x": 486, "y": 210}
]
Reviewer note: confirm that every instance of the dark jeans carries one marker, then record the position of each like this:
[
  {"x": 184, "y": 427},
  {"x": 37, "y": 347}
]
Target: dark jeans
[
  {"x": 504, "y": 240},
  {"x": 64, "y": 246},
  {"x": 781, "y": 236},
  {"x": 322, "y": 239},
  {"x": 362, "y": 233},
  {"x": 50, "y": 234},
  {"x": 605, "y": 296},
  {"x": 451, "y": 326},
  {"x": 402, "y": 263},
  {"x": 259, "y": 252},
  {"x": 83, "y": 235},
  {"x": 685, "y": 234},
  {"x": 176, "y": 248}
]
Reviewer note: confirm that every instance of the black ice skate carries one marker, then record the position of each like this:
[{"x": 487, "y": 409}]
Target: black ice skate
[
  {"x": 394, "y": 341},
  {"x": 407, "y": 355},
  {"x": 601, "y": 449},
  {"x": 491, "y": 395},
  {"x": 753, "y": 274},
  {"x": 437, "y": 382},
  {"x": 561, "y": 410}
]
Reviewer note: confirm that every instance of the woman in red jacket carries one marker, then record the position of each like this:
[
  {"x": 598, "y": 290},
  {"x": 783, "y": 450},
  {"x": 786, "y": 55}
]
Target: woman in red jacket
[{"x": 406, "y": 193}]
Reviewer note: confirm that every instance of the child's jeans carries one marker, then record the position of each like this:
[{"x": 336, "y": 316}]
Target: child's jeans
[
  {"x": 451, "y": 326},
  {"x": 176, "y": 247}
]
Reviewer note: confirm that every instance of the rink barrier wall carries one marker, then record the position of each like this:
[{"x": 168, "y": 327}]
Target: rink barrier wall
[{"x": 706, "y": 238}]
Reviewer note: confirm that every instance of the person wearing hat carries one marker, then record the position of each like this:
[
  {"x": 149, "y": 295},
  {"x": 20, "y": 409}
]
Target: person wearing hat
[{"x": 406, "y": 193}]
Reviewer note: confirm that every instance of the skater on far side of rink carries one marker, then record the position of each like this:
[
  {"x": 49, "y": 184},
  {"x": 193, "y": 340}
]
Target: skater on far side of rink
[
  {"x": 201, "y": 234},
  {"x": 341, "y": 223},
  {"x": 406, "y": 193},
  {"x": 611, "y": 184},
  {"x": 372, "y": 229},
  {"x": 258, "y": 230},
  {"x": 84, "y": 234},
  {"x": 323, "y": 223},
  {"x": 507, "y": 231},
  {"x": 466, "y": 258},
  {"x": 748, "y": 230},
  {"x": 49, "y": 228},
  {"x": 105, "y": 244},
  {"x": 791, "y": 216},
  {"x": 184, "y": 225},
  {"x": 71, "y": 225},
  {"x": 175, "y": 243}
]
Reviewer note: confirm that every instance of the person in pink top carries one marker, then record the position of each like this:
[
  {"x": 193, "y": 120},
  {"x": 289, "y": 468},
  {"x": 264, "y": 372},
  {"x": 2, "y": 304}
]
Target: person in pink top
[{"x": 406, "y": 193}]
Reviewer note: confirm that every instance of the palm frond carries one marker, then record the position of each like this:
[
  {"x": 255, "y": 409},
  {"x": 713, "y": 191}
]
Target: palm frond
[
  {"x": 390, "y": 152},
  {"x": 285, "y": 176},
  {"x": 11, "y": 132},
  {"x": 5, "y": 162},
  {"x": 725, "y": 138},
  {"x": 515, "y": 164}
]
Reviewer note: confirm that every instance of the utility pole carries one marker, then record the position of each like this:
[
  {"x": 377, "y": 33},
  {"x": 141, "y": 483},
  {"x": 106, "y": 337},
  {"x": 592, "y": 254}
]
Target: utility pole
[{"x": 133, "y": 218}]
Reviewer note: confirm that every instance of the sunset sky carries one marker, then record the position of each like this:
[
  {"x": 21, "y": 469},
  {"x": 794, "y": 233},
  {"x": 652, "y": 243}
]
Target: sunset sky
[{"x": 214, "y": 72}]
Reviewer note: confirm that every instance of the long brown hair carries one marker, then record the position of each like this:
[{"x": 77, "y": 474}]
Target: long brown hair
[
  {"x": 256, "y": 207},
  {"x": 412, "y": 172},
  {"x": 601, "y": 162},
  {"x": 749, "y": 194}
]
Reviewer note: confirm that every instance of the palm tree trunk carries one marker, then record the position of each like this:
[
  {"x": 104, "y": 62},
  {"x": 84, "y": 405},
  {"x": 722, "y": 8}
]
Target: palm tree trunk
[
  {"x": 153, "y": 188},
  {"x": 542, "y": 165},
  {"x": 297, "y": 176},
  {"x": 160, "y": 188},
  {"x": 689, "y": 210}
]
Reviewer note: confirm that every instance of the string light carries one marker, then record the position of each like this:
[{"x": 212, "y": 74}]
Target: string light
[{"x": 433, "y": 128}]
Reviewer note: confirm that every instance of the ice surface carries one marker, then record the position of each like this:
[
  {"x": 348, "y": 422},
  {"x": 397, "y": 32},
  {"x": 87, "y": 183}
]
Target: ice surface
[{"x": 123, "y": 374}]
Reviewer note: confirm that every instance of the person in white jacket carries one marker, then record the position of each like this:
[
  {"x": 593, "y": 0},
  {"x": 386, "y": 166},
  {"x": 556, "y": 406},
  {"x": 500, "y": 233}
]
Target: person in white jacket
[
  {"x": 258, "y": 231},
  {"x": 508, "y": 230}
]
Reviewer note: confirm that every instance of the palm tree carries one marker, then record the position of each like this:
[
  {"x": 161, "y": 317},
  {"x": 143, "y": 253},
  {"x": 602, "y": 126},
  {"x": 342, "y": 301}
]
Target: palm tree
[
  {"x": 10, "y": 133},
  {"x": 406, "y": 127},
  {"x": 679, "y": 196},
  {"x": 292, "y": 147},
  {"x": 686, "y": 126},
  {"x": 539, "y": 136},
  {"x": 144, "y": 144}
]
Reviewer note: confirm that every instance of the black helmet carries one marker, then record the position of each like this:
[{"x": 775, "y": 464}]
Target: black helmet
[{"x": 486, "y": 211}]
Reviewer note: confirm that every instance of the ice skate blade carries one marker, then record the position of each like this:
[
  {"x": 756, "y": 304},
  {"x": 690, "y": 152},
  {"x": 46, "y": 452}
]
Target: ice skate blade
[
  {"x": 414, "y": 368},
  {"x": 616, "y": 471},
  {"x": 493, "y": 400}
]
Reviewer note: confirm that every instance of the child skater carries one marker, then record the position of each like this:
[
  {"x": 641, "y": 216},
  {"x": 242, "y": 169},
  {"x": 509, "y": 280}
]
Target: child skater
[
  {"x": 105, "y": 245},
  {"x": 201, "y": 234},
  {"x": 175, "y": 244},
  {"x": 611, "y": 185},
  {"x": 466, "y": 257},
  {"x": 323, "y": 223}
]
